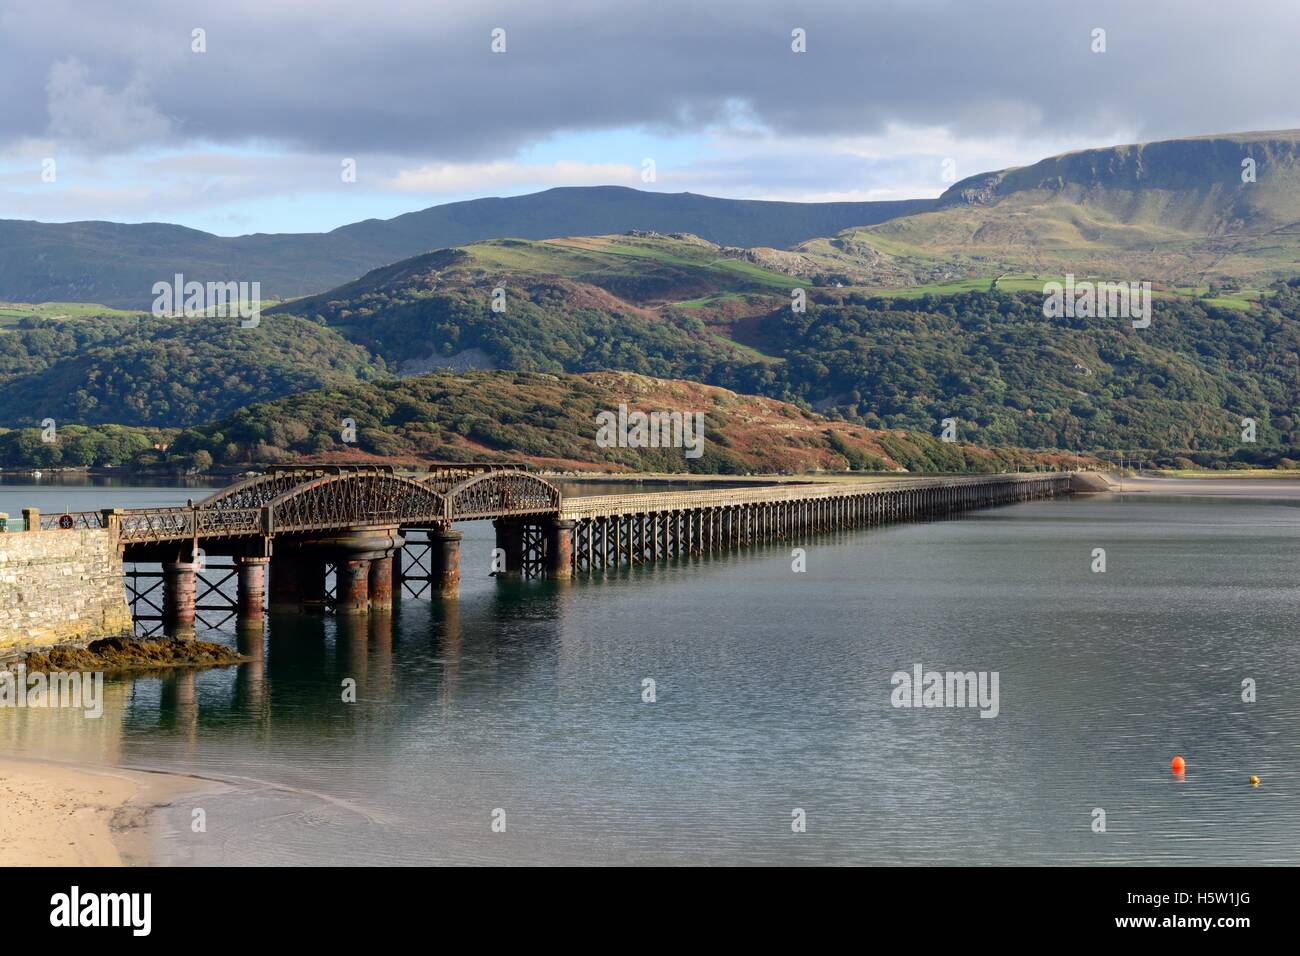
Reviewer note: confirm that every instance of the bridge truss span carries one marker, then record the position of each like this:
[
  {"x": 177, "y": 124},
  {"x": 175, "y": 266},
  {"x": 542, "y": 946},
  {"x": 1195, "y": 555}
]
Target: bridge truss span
[
  {"x": 354, "y": 502},
  {"x": 498, "y": 495}
]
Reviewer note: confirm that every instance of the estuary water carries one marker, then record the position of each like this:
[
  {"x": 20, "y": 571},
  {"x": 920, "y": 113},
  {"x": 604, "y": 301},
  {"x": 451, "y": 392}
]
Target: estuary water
[{"x": 527, "y": 703}]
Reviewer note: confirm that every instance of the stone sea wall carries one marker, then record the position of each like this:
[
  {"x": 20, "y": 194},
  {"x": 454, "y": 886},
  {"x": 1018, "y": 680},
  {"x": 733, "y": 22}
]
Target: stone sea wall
[{"x": 59, "y": 588}]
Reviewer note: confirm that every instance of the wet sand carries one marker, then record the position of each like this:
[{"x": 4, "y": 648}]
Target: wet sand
[{"x": 55, "y": 814}]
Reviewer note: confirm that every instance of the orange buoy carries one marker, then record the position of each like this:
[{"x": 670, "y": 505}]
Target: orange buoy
[
  {"x": 1254, "y": 780},
  {"x": 1178, "y": 765}
]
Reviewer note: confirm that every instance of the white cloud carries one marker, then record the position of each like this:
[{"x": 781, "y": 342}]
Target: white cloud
[{"x": 478, "y": 177}]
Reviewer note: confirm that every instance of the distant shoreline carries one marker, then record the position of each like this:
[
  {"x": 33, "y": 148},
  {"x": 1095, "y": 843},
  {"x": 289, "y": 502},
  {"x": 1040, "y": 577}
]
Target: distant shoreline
[{"x": 1248, "y": 486}]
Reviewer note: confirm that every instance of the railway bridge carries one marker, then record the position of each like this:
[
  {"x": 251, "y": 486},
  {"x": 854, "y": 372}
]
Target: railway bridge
[{"x": 373, "y": 532}]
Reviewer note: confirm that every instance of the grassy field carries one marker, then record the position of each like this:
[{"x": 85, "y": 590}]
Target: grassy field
[
  {"x": 748, "y": 350},
  {"x": 709, "y": 301},
  {"x": 1055, "y": 236},
  {"x": 12, "y": 312},
  {"x": 1229, "y": 299},
  {"x": 630, "y": 255}
]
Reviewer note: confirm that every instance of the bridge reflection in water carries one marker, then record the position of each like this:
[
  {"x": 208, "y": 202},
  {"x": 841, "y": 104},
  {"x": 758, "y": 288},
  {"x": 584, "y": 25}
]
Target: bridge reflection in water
[{"x": 348, "y": 540}]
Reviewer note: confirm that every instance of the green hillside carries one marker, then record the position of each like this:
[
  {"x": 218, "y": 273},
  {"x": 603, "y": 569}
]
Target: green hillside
[
  {"x": 1175, "y": 212},
  {"x": 677, "y": 307}
]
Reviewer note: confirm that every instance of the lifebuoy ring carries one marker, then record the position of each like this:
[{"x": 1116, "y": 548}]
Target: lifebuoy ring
[{"x": 65, "y": 522}]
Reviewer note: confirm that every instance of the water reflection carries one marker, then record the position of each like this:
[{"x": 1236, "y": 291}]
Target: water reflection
[{"x": 299, "y": 668}]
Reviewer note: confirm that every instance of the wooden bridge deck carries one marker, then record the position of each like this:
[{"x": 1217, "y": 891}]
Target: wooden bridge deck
[
  {"x": 610, "y": 531},
  {"x": 593, "y": 506},
  {"x": 312, "y": 501}
]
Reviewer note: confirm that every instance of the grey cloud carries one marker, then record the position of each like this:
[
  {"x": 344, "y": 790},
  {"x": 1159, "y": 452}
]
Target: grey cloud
[
  {"x": 99, "y": 118},
  {"x": 418, "y": 79}
]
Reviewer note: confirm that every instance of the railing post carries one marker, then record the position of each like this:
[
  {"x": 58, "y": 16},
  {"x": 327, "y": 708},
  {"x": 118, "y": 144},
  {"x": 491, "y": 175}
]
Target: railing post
[{"x": 113, "y": 522}]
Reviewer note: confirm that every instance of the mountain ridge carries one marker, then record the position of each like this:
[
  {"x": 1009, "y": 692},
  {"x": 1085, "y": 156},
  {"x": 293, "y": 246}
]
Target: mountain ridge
[{"x": 116, "y": 264}]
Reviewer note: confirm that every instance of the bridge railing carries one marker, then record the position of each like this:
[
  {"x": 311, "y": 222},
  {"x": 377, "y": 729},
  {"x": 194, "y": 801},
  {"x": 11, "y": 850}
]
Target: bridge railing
[
  {"x": 170, "y": 524},
  {"x": 229, "y": 521},
  {"x": 155, "y": 524},
  {"x": 72, "y": 519}
]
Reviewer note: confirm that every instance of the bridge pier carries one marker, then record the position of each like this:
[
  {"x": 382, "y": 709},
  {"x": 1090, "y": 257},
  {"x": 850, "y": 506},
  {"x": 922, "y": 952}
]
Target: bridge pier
[
  {"x": 288, "y": 580},
  {"x": 380, "y": 584},
  {"x": 179, "y": 581},
  {"x": 352, "y": 586},
  {"x": 510, "y": 540},
  {"x": 356, "y": 553},
  {"x": 312, "y": 573},
  {"x": 559, "y": 548},
  {"x": 444, "y": 563},
  {"x": 251, "y": 600},
  {"x": 395, "y": 583}
]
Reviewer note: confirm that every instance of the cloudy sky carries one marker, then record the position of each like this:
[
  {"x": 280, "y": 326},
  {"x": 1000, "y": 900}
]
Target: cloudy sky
[{"x": 112, "y": 102}]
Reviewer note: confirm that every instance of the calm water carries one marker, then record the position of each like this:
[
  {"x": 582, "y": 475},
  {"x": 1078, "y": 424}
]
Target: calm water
[{"x": 773, "y": 693}]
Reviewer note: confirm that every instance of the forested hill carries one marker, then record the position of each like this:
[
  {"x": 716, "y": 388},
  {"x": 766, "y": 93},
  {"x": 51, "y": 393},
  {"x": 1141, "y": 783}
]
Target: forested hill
[
  {"x": 550, "y": 421},
  {"x": 675, "y": 307}
]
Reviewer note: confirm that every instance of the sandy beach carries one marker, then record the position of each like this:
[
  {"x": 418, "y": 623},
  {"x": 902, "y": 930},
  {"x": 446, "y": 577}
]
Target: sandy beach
[
  {"x": 1209, "y": 487},
  {"x": 54, "y": 814}
]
